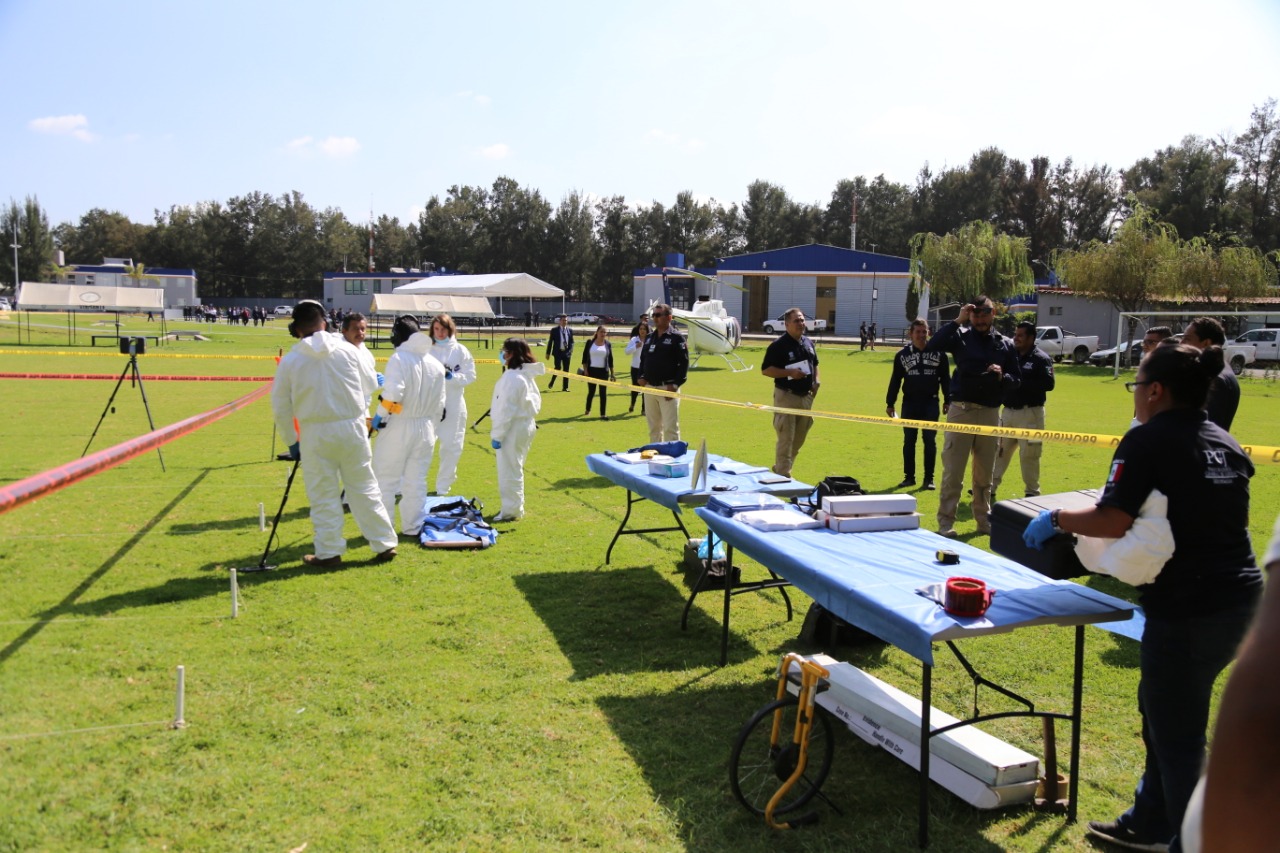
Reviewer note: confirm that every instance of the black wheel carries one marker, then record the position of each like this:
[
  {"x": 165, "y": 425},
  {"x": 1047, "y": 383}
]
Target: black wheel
[
  {"x": 757, "y": 770},
  {"x": 1237, "y": 365}
]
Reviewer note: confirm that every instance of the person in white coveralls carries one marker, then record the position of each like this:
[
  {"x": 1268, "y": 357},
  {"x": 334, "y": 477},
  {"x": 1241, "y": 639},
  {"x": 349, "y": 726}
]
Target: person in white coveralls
[
  {"x": 516, "y": 403},
  {"x": 410, "y": 408},
  {"x": 459, "y": 372},
  {"x": 325, "y": 384}
]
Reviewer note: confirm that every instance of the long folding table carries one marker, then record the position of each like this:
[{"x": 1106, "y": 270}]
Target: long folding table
[
  {"x": 673, "y": 493},
  {"x": 871, "y": 580}
]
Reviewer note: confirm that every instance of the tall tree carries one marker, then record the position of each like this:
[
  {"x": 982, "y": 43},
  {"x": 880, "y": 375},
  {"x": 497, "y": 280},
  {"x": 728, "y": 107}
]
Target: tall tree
[
  {"x": 30, "y": 224},
  {"x": 1188, "y": 186},
  {"x": 1228, "y": 277},
  {"x": 1129, "y": 272},
  {"x": 100, "y": 234},
  {"x": 1257, "y": 152},
  {"x": 971, "y": 260},
  {"x": 574, "y": 254}
]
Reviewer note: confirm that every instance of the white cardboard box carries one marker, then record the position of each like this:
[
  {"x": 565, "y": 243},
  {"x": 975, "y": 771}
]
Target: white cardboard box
[
  {"x": 667, "y": 467},
  {"x": 895, "y": 715},
  {"x": 866, "y": 523},
  {"x": 868, "y": 504}
]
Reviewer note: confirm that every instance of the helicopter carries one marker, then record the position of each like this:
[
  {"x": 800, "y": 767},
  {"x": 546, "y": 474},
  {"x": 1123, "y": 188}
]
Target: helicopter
[{"x": 711, "y": 330}]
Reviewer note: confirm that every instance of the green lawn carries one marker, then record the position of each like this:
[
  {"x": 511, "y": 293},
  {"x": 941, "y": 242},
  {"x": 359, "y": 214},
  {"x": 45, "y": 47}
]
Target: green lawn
[{"x": 525, "y": 697}]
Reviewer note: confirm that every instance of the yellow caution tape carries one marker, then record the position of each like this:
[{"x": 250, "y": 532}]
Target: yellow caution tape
[{"x": 1260, "y": 454}]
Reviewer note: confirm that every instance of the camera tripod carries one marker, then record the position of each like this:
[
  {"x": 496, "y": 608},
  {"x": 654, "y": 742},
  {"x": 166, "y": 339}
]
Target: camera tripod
[{"x": 131, "y": 370}]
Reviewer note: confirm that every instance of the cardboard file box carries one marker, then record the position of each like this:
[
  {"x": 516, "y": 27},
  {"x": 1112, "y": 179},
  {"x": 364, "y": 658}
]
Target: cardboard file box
[
  {"x": 868, "y": 523},
  {"x": 1009, "y": 519},
  {"x": 886, "y": 715},
  {"x": 731, "y": 503},
  {"x": 868, "y": 504},
  {"x": 665, "y": 466}
]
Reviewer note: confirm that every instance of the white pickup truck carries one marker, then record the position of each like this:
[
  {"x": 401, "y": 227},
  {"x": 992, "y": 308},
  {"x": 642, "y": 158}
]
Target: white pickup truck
[
  {"x": 1060, "y": 344},
  {"x": 1239, "y": 355},
  {"x": 778, "y": 326},
  {"x": 1265, "y": 341}
]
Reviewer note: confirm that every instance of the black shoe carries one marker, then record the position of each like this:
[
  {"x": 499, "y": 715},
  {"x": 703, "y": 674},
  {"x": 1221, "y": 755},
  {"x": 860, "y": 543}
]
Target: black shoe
[
  {"x": 1122, "y": 836},
  {"x": 909, "y": 481},
  {"x": 929, "y": 486}
]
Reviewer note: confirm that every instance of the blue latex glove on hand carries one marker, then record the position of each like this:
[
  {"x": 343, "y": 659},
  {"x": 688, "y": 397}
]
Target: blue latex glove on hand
[
  {"x": 381, "y": 380},
  {"x": 295, "y": 453},
  {"x": 448, "y": 374},
  {"x": 495, "y": 444},
  {"x": 1039, "y": 531},
  {"x": 378, "y": 423}
]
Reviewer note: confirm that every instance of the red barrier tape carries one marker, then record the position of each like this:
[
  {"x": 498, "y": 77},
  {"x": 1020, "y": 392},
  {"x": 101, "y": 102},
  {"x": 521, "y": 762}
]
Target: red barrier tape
[
  {"x": 46, "y": 482},
  {"x": 144, "y": 378}
]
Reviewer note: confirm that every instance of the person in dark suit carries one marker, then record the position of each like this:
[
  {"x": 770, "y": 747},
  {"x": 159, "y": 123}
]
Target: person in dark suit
[{"x": 560, "y": 347}]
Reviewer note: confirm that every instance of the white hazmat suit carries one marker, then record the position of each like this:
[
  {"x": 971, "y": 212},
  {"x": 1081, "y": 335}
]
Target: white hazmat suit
[
  {"x": 412, "y": 402},
  {"x": 516, "y": 403},
  {"x": 325, "y": 384},
  {"x": 461, "y": 369}
]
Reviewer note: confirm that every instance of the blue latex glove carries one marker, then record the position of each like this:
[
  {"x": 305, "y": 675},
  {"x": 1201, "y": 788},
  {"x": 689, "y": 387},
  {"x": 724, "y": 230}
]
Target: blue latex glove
[
  {"x": 448, "y": 374},
  {"x": 381, "y": 380},
  {"x": 1039, "y": 531},
  {"x": 295, "y": 453},
  {"x": 378, "y": 423},
  {"x": 495, "y": 444}
]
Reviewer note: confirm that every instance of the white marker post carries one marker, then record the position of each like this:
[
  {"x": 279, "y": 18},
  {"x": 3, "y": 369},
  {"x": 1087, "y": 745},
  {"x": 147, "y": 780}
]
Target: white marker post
[
  {"x": 235, "y": 595},
  {"x": 179, "y": 721},
  {"x": 262, "y": 518}
]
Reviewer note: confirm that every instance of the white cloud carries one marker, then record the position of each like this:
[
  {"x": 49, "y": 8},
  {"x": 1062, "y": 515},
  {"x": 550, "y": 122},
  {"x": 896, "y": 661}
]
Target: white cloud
[
  {"x": 76, "y": 126},
  {"x": 498, "y": 151},
  {"x": 334, "y": 147},
  {"x": 340, "y": 146},
  {"x": 657, "y": 136}
]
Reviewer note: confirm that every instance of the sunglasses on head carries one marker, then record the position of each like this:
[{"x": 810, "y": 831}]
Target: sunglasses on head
[{"x": 981, "y": 310}]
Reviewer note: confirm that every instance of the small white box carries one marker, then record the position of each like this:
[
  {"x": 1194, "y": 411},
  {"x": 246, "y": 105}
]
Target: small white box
[
  {"x": 870, "y": 523},
  {"x": 869, "y": 504},
  {"x": 668, "y": 467}
]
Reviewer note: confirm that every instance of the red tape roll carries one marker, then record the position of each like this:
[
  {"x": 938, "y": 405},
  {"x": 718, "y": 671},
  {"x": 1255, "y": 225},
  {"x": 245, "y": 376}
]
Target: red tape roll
[{"x": 967, "y": 597}]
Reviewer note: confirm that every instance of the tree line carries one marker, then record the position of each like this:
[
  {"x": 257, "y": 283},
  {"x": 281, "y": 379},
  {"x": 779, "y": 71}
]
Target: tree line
[{"x": 1224, "y": 192}]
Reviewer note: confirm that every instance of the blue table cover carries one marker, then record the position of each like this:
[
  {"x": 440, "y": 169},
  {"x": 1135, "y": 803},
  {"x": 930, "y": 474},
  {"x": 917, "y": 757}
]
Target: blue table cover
[
  {"x": 668, "y": 491},
  {"x": 870, "y": 580}
]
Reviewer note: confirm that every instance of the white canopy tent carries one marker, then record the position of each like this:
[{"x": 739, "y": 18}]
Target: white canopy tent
[
  {"x": 501, "y": 285},
  {"x": 430, "y": 303},
  {"x": 46, "y": 296}
]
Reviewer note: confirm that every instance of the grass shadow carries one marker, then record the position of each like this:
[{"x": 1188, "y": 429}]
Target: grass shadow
[
  {"x": 873, "y": 795},
  {"x": 625, "y": 620},
  {"x": 238, "y": 523}
]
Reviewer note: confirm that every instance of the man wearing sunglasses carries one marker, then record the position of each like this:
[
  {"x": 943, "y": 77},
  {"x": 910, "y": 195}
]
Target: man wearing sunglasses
[
  {"x": 664, "y": 363},
  {"x": 986, "y": 366}
]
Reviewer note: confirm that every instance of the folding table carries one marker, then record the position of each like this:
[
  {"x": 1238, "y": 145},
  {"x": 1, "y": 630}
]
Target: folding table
[{"x": 871, "y": 579}]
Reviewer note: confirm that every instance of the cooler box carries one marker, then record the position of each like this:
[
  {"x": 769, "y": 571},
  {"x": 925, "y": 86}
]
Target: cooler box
[
  {"x": 731, "y": 503},
  {"x": 1058, "y": 559}
]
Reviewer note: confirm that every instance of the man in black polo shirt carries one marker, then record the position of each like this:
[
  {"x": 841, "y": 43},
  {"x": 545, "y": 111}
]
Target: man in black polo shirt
[
  {"x": 920, "y": 375},
  {"x": 1224, "y": 391},
  {"x": 985, "y": 366},
  {"x": 664, "y": 363},
  {"x": 792, "y": 363},
  {"x": 1024, "y": 409}
]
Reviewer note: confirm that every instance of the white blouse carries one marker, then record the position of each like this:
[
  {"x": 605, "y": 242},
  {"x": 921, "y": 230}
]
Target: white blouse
[{"x": 599, "y": 355}]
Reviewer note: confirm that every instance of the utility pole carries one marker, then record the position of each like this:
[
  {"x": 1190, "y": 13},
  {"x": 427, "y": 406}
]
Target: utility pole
[
  {"x": 853, "y": 228},
  {"x": 15, "y": 246}
]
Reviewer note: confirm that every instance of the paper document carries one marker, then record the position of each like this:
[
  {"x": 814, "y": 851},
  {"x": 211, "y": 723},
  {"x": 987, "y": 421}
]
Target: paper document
[
  {"x": 728, "y": 466},
  {"x": 802, "y": 366},
  {"x": 630, "y": 458}
]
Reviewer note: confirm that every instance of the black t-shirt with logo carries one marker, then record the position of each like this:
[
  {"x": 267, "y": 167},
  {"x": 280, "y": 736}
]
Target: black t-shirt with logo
[
  {"x": 1205, "y": 475},
  {"x": 786, "y": 351}
]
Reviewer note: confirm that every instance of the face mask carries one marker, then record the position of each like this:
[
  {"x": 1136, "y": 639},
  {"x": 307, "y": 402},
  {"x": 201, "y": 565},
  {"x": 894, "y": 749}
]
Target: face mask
[{"x": 504, "y": 357}]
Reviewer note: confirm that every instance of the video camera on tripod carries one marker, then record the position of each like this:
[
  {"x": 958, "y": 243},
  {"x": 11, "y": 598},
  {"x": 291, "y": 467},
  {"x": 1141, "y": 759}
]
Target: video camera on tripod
[{"x": 132, "y": 346}]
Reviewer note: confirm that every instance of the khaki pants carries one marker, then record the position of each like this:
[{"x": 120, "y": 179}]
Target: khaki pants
[
  {"x": 956, "y": 450},
  {"x": 663, "y": 415},
  {"x": 792, "y": 430},
  {"x": 1032, "y": 417}
]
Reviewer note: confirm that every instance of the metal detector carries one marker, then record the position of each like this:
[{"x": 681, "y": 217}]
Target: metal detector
[
  {"x": 266, "y": 552},
  {"x": 132, "y": 347}
]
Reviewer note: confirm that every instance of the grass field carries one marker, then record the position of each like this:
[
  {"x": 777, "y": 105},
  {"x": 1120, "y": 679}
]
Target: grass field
[{"x": 522, "y": 698}]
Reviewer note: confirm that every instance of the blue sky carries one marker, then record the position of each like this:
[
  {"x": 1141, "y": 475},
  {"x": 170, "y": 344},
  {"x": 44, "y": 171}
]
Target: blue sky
[{"x": 135, "y": 105}]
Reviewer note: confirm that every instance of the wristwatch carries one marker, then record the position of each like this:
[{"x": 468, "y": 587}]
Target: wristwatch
[{"x": 1053, "y": 519}]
